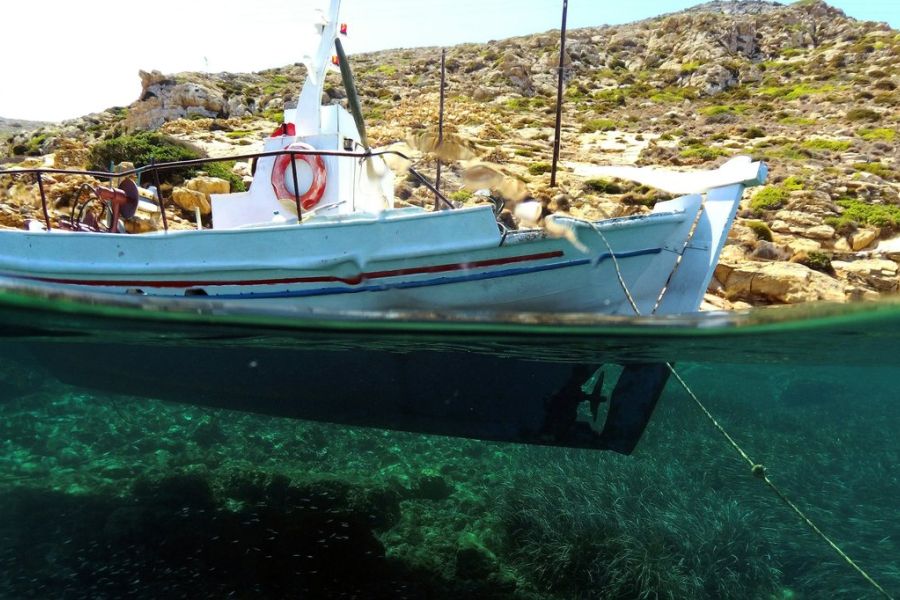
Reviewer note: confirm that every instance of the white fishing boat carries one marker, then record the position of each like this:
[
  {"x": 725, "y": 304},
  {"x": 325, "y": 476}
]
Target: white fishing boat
[{"x": 319, "y": 229}]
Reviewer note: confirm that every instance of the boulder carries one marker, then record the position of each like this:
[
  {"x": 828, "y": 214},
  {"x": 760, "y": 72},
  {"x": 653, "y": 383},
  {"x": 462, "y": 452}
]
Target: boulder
[
  {"x": 71, "y": 154},
  {"x": 770, "y": 251},
  {"x": 196, "y": 191},
  {"x": 878, "y": 273},
  {"x": 801, "y": 223},
  {"x": 208, "y": 185},
  {"x": 165, "y": 99},
  {"x": 190, "y": 200},
  {"x": 713, "y": 78},
  {"x": 780, "y": 282},
  {"x": 862, "y": 238}
]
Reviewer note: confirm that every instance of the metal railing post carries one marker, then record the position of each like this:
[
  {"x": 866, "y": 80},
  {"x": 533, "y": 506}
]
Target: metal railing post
[
  {"x": 40, "y": 183},
  {"x": 159, "y": 198}
]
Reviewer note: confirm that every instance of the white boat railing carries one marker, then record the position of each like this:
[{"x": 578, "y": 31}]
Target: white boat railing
[{"x": 153, "y": 169}]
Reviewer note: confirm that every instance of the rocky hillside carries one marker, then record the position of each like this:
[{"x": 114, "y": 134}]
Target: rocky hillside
[
  {"x": 9, "y": 128},
  {"x": 803, "y": 87}
]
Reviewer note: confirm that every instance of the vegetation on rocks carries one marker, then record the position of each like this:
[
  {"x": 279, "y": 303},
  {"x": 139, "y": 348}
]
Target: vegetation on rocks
[
  {"x": 142, "y": 148},
  {"x": 884, "y": 216},
  {"x": 761, "y": 230},
  {"x": 768, "y": 198}
]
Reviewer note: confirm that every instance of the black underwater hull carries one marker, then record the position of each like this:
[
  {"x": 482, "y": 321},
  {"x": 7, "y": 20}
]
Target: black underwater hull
[
  {"x": 467, "y": 385},
  {"x": 448, "y": 392},
  {"x": 512, "y": 378}
]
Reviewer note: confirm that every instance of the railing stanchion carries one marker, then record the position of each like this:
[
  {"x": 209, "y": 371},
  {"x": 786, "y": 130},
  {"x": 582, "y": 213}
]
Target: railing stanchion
[
  {"x": 296, "y": 186},
  {"x": 159, "y": 198},
  {"x": 40, "y": 183}
]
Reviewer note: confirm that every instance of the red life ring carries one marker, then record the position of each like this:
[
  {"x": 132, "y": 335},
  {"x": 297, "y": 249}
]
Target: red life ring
[{"x": 280, "y": 173}]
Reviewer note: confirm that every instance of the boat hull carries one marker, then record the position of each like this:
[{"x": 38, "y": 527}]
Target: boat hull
[{"x": 399, "y": 259}]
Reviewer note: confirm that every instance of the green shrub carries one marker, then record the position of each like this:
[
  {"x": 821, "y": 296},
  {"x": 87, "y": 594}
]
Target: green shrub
[
  {"x": 796, "y": 121},
  {"x": 142, "y": 149},
  {"x": 768, "y": 198},
  {"x": 460, "y": 195},
  {"x": 598, "y": 125},
  {"x": 689, "y": 67},
  {"x": 613, "y": 97},
  {"x": 718, "y": 109},
  {"x": 32, "y": 147},
  {"x": 275, "y": 85},
  {"x": 795, "y": 92},
  {"x": 754, "y": 132},
  {"x": 877, "y": 168},
  {"x": 885, "y": 216},
  {"x": 817, "y": 261},
  {"x": 602, "y": 186},
  {"x": 387, "y": 70},
  {"x": 539, "y": 168},
  {"x": 666, "y": 96},
  {"x": 224, "y": 170},
  {"x": 792, "y": 183},
  {"x": 828, "y": 145},
  {"x": 843, "y": 225},
  {"x": 518, "y": 104},
  {"x": 880, "y": 134},
  {"x": 863, "y": 114},
  {"x": 703, "y": 153},
  {"x": 761, "y": 230},
  {"x": 273, "y": 114}
]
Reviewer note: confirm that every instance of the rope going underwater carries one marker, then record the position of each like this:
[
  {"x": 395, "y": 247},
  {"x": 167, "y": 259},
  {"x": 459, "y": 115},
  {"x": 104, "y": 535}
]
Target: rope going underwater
[{"x": 758, "y": 470}]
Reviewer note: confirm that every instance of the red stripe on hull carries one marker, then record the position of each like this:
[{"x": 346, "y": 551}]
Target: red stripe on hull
[{"x": 493, "y": 262}]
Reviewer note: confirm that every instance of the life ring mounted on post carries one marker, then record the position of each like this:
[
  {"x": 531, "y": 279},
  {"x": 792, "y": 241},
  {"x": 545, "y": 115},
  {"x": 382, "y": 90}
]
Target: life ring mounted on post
[{"x": 281, "y": 175}]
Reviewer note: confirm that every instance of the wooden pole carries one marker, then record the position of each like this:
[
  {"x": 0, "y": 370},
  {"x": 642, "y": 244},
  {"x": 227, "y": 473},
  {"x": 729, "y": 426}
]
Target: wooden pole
[{"x": 559, "y": 92}]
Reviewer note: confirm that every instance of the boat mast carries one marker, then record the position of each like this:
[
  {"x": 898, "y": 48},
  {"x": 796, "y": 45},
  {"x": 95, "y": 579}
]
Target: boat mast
[
  {"x": 559, "y": 92},
  {"x": 308, "y": 116}
]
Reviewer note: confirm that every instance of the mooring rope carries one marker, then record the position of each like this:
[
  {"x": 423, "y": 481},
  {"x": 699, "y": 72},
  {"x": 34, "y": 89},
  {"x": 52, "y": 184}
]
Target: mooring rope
[{"x": 758, "y": 470}]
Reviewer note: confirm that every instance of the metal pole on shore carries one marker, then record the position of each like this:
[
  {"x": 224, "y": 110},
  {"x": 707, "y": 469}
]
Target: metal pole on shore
[
  {"x": 559, "y": 93},
  {"x": 440, "y": 140}
]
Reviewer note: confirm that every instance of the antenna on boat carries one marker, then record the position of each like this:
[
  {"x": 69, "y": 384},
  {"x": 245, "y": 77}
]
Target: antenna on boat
[
  {"x": 559, "y": 92},
  {"x": 307, "y": 119},
  {"x": 352, "y": 95},
  {"x": 437, "y": 177}
]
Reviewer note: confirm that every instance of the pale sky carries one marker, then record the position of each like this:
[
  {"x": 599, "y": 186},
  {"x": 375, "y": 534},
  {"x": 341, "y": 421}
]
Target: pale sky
[{"x": 61, "y": 59}]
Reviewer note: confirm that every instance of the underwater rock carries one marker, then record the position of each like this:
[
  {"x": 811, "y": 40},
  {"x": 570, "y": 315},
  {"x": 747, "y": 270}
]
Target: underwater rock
[
  {"x": 209, "y": 433},
  {"x": 473, "y": 560},
  {"x": 431, "y": 486}
]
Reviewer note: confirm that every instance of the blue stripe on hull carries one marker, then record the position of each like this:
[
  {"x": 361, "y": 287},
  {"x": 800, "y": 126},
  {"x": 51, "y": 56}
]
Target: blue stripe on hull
[{"x": 403, "y": 285}]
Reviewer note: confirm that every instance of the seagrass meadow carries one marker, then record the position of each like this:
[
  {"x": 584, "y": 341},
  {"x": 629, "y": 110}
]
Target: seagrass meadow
[{"x": 107, "y": 496}]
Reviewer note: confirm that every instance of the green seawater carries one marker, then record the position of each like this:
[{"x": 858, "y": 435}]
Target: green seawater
[{"x": 108, "y": 495}]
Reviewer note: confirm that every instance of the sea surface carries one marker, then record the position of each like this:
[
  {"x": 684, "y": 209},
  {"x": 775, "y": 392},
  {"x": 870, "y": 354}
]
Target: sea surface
[{"x": 118, "y": 494}]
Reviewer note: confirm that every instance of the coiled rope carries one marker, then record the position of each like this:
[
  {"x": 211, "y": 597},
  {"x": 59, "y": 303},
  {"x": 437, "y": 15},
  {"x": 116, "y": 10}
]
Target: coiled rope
[{"x": 756, "y": 469}]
